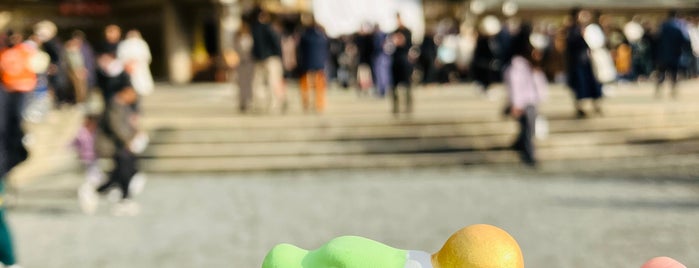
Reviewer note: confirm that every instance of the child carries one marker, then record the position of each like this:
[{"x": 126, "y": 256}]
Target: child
[
  {"x": 117, "y": 134},
  {"x": 527, "y": 87},
  {"x": 84, "y": 143}
]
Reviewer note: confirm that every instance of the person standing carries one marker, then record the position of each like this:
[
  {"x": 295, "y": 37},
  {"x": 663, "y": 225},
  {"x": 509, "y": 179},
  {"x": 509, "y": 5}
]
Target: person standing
[
  {"x": 364, "y": 41},
  {"x": 75, "y": 69},
  {"x": 244, "y": 65},
  {"x": 134, "y": 52},
  {"x": 487, "y": 61},
  {"x": 527, "y": 87},
  {"x": 58, "y": 77},
  {"x": 581, "y": 78},
  {"x": 268, "y": 85},
  {"x": 672, "y": 40},
  {"x": 381, "y": 62},
  {"x": 427, "y": 59},
  {"x": 402, "y": 66},
  {"x": 112, "y": 38},
  {"x": 313, "y": 55}
]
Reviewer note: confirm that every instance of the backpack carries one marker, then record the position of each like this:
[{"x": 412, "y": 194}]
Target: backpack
[{"x": 16, "y": 72}]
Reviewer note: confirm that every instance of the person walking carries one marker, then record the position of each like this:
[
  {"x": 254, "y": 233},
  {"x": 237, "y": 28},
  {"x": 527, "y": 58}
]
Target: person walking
[
  {"x": 116, "y": 136},
  {"x": 527, "y": 87},
  {"x": 672, "y": 40},
  {"x": 402, "y": 67},
  {"x": 268, "y": 85},
  {"x": 17, "y": 78},
  {"x": 313, "y": 55},
  {"x": 7, "y": 255},
  {"x": 581, "y": 78}
]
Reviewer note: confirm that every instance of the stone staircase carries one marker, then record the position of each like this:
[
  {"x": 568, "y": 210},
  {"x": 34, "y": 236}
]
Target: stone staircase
[{"x": 197, "y": 128}]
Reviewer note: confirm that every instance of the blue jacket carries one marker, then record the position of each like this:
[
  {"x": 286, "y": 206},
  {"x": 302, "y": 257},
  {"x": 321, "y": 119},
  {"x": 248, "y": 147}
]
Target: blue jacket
[{"x": 313, "y": 50}]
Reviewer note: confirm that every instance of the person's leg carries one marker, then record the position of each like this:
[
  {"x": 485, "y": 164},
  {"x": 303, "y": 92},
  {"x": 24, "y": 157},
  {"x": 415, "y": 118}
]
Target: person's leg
[
  {"x": 527, "y": 123},
  {"x": 245, "y": 84},
  {"x": 276, "y": 82},
  {"x": 320, "y": 88},
  {"x": 113, "y": 179},
  {"x": 394, "y": 99},
  {"x": 7, "y": 255},
  {"x": 259, "y": 86},
  {"x": 661, "y": 79},
  {"x": 408, "y": 98},
  {"x": 673, "y": 70},
  {"x": 17, "y": 153},
  {"x": 125, "y": 170},
  {"x": 305, "y": 88},
  {"x": 580, "y": 112}
]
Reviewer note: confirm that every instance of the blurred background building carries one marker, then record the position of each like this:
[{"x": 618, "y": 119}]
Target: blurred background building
[{"x": 188, "y": 36}]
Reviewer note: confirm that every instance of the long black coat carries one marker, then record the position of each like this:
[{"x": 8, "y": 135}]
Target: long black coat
[
  {"x": 402, "y": 67},
  {"x": 581, "y": 79}
]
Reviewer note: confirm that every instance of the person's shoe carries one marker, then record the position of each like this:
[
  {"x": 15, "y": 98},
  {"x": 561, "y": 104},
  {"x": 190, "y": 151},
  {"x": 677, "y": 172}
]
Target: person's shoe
[
  {"x": 88, "y": 198},
  {"x": 516, "y": 146},
  {"x": 137, "y": 184},
  {"x": 126, "y": 208},
  {"x": 114, "y": 195},
  {"x": 598, "y": 111},
  {"x": 580, "y": 114},
  {"x": 532, "y": 163}
]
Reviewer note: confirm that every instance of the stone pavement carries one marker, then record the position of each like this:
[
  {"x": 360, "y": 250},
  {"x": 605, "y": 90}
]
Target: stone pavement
[
  {"x": 232, "y": 220},
  {"x": 613, "y": 191}
]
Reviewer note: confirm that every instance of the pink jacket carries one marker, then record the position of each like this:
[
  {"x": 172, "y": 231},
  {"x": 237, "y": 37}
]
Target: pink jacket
[{"x": 526, "y": 86}]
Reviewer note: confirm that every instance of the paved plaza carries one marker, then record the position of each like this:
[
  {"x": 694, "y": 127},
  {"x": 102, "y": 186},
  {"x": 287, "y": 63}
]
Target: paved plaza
[
  {"x": 220, "y": 220},
  {"x": 611, "y": 191}
]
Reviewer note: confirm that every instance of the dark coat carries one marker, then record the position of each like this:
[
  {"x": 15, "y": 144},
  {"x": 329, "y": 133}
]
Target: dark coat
[
  {"x": 402, "y": 67},
  {"x": 267, "y": 43},
  {"x": 313, "y": 50},
  {"x": 109, "y": 85},
  {"x": 365, "y": 46},
  {"x": 581, "y": 79},
  {"x": 12, "y": 150},
  {"x": 671, "y": 40}
]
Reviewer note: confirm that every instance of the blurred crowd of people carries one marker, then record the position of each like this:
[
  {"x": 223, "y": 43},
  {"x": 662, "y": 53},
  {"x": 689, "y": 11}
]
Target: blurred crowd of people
[
  {"x": 586, "y": 51},
  {"x": 265, "y": 54},
  {"x": 40, "y": 72}
]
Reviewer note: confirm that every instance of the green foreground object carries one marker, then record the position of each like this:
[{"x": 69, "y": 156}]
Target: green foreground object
[{"x": 345, "y": 251}]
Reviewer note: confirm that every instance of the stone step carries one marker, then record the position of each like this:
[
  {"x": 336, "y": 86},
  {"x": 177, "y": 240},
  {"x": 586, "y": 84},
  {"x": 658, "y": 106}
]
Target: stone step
[
  {"x": 415, "y": 145},
  {"x": 315, "y": 162},
  {"x": 357, "y": 120},
  {"x": 165, "y": 93},
  {"x": 430, "y": 129}
]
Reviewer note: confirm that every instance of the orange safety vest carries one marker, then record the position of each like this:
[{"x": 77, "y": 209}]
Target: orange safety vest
[{"x": 15, "y": 71}]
